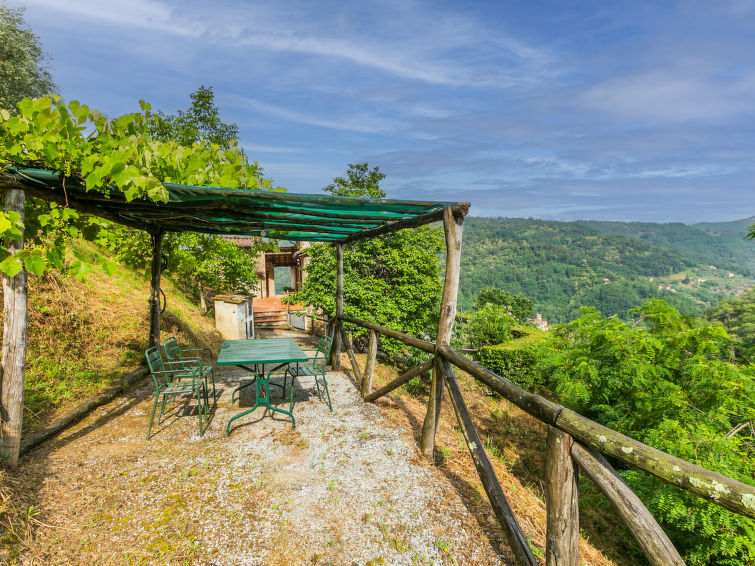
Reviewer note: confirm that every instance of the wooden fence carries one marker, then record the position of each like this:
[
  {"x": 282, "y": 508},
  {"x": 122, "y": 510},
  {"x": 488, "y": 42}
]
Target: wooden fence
[{"x": 574, "y": 444}]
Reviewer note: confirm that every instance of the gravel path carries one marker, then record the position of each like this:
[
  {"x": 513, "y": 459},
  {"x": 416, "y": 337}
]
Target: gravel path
[{"x": 344, "y": 487}]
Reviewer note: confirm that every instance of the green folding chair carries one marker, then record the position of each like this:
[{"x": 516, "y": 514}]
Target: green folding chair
[
  {"x": 176, "y": 358},
  {"x": 168, "y": 384},
  {"x": 314, "y": 368}
]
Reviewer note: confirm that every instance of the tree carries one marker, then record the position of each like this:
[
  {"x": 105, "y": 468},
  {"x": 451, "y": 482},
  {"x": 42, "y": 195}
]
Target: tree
[
  {"x": 200, "y": 123},
  {"x": 360, "y": 181},
  {"x": 23, "y": 64},
  {"x": 393, "y": 280},
  {"x": 666, "y": 379},
  {"x": 737, "y": 314},
  {"x": 489, "y": 325},
  {"x": 199, "y": 261},
  {"x": 518, "y": 305}
]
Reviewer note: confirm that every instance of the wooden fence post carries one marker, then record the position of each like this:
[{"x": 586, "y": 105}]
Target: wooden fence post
[
  {"x": 336, "y": 355},
  {"x": 562, "y": 499},
  {"x": 350, "y": 352},
  {"x": 452, "y": 226},
  {"x": 156, "y": 239},
  {"x": 498, "y": 501},
  {"x": 655, "y": 543},
  {"x": 15, "y": 324},
  {"x": 369, "y": 366}
]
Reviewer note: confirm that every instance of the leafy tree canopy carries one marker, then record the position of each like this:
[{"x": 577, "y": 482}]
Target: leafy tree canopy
[
  {"x": 489, "y": 325},
  {"x": 102, "y": 154},
  {"x": 737, "y": 314},
  {"x": 23, "y": 64},
  {"x": 666, "y": 379},
  {"x": 200, "y": 261},
  {"x": 518, "y": 305},
  {"x": 360, "y": 181},
  {"x": 393, "y": 280},
  {"x": 200, "y": 123}
]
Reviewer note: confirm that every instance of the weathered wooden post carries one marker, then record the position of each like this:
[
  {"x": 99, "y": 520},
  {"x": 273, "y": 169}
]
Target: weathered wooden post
[
  {"x": 336, "y": 357},
  {"x": 452, "y": 226},
  {"x": 156, "y": 239},
  {"x": 562, "y": 499},
  {"x": 15, "y": 323},
  {"x": 498, "y": 501},
  {"x": 369, "y": 366}
]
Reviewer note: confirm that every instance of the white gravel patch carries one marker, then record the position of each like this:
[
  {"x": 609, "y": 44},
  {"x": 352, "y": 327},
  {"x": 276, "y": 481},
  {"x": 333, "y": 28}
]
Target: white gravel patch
[{"x": 344, "y": 487}]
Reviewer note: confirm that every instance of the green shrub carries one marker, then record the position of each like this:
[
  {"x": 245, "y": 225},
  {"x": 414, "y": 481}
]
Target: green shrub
[
  {"x": 515, "y": 360},
  {"x": 666, "y": 380}
]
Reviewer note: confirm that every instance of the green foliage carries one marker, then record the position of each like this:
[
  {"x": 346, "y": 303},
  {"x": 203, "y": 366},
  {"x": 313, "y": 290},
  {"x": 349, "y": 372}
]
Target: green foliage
[
  {"x": 516, "y": 360},
  {"x": 718, "y": 243},
  {"x": 23, "y": 69},
  {"x": 198, "y": 260},
  {"x": 105, "y": 155},
  {"x": 737, "y": 314},
  {"x": 360, "y": 181},
  {"x": 666, "y": 380},
  {"x": 518, "y": 305},
  {"x": 488, "y": 325},
  {"x": 562, "y": 266},
  {"x": 393, "y": 280},
  {"x": 200, "y": 123}
]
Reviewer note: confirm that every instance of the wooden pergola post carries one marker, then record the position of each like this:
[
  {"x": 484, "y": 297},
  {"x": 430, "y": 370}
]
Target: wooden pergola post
[
  {"x": 452, "y": 226},
  {"x": 156, "y": 239},
  {"x": 15, "y": 324},
  {"x": 336, "y": 357}
]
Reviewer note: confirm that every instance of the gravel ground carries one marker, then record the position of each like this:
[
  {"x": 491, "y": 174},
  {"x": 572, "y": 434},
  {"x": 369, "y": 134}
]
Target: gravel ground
[{"x": 345, "y": 487}]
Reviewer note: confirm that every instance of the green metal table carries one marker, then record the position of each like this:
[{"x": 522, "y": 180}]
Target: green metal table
[{"x": 257, "y": 353}]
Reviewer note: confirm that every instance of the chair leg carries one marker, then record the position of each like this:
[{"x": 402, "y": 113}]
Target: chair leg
[
  {"x": 151, "y": 418},
  {"x": 199, "y": 410},
  {"x": 317, "y": 385},
  {"x": 212, "y": 376},
  {"x": 162, "y": 409},
  {"x": 325, "y": 383},
  {"x": 206, "y": 402}
]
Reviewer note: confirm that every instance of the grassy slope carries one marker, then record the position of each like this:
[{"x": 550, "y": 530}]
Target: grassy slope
[{"x": 85, "y": 335}]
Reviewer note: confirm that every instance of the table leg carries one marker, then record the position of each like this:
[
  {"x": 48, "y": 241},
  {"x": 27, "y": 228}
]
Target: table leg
[{"x": 261, "y": 401}]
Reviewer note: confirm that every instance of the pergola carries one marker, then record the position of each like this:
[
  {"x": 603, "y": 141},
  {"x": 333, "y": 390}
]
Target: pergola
[
  {"x": 217, "y": 210},
  {"x": 573, "y": 442}
]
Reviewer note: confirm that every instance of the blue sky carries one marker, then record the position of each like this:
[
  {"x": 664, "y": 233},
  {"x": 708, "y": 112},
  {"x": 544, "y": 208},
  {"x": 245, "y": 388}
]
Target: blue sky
[{"x": 557, "y": 110}]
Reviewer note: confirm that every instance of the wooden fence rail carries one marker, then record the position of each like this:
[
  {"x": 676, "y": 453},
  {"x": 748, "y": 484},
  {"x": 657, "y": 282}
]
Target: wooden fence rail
[{"x": 573, "y": 443}]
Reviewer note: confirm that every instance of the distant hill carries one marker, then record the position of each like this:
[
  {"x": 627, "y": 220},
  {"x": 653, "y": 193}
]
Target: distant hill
[
  {"x": 614, "y": 266},
  {"x": 721, "y": 244}
]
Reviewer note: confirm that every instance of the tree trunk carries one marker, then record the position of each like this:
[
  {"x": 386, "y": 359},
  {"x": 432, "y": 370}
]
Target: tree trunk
[
  {"x": 202, "y": 300},
  {"x": 15, "y": 322}
]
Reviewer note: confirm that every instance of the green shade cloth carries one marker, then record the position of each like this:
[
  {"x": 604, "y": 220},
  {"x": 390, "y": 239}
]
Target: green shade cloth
[{"x": 216, "y": 210}]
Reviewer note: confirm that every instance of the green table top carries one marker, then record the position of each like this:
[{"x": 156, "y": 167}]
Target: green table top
[{"x": 260, "y": 351}]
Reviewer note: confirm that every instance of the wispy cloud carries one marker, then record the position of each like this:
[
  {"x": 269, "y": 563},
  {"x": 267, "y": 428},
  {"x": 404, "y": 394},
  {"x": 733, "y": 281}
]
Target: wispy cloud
[
  {"x": 145, "y": 14},
  {"x": 364, "y": 122}
]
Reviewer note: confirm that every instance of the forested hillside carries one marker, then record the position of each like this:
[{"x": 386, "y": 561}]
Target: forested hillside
[
  {"x": 722, "y": 244},
  {"x": 562, "y": 266}
]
